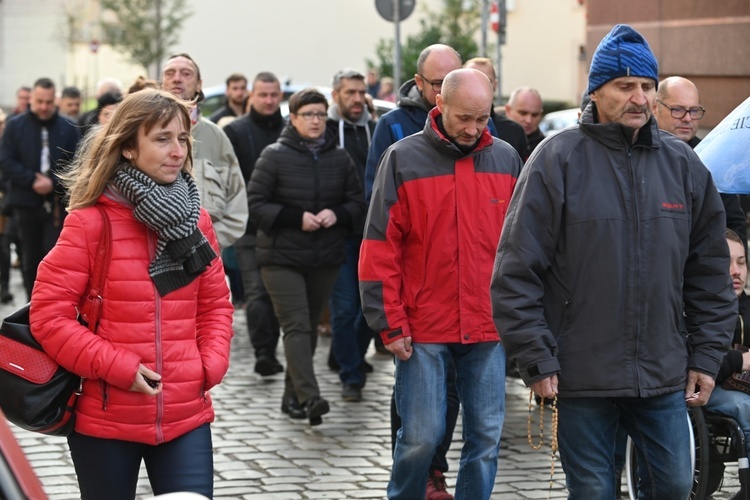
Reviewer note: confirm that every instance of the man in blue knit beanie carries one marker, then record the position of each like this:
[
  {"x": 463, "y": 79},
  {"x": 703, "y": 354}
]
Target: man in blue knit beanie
[{"x": 610, "y": 289}]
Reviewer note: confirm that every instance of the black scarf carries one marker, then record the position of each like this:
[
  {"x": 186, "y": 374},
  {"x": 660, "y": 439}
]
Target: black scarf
[{"x": 172, "y": 212}]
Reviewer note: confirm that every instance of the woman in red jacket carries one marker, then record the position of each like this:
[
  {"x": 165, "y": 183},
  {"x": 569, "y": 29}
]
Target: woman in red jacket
[{"x": 166, "y": 320}]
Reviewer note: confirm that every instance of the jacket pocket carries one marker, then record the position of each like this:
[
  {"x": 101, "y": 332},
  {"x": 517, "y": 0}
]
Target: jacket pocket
[{"x": 211, "y": 182}]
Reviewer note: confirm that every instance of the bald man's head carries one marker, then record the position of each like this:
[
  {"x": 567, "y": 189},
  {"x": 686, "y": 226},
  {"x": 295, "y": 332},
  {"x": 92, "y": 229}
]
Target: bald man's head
[
  {"x": 433, "y": 64},
  {"x": 465, "y": 103},
  {"x": 678, "y": 96}
]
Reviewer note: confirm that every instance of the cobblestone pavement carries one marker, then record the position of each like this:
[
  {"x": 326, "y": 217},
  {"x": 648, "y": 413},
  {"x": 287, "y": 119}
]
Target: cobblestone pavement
[{"x": 262, "y": 454}]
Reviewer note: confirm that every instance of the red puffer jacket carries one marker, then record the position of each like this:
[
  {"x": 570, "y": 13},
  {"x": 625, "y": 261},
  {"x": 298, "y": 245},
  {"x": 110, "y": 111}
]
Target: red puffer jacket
[{"x": 185, "y": 336}]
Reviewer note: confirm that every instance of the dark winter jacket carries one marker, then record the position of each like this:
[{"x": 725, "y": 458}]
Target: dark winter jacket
[
  {"x": 249, "y": 134},
  {"x": 512, "y": 133},
  {"x": 289, "y": 180},
  {"x": 431, "y": 234},
  {"x": 21, "y": 156},
  {"x": 613, "y": 267}
]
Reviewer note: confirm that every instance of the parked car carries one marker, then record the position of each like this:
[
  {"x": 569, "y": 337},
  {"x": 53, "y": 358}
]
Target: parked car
[{"x": 556, "y": 121}]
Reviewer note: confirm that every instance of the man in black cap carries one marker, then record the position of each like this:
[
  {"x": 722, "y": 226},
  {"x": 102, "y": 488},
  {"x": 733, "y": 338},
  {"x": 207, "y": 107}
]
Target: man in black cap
[{"x": 610, "y": 288}]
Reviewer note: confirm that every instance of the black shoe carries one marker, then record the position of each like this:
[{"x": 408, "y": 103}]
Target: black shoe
[
  {"x": 266, "y": 365},
  {"x": 316, "y": 407},
  {"x": 332, "y": 363},
  {"x": 291, "y": 407},
  {"x": 352, "y": 393},
  {"x": 5, "y": 296}
]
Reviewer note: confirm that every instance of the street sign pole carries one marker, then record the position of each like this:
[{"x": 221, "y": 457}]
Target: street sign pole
[
  {"x": 500, "y": 43},
  {"x": 397, "y": 45},
  {"x": 485, "y": 16},
  {"x": 395, "y": 11}
]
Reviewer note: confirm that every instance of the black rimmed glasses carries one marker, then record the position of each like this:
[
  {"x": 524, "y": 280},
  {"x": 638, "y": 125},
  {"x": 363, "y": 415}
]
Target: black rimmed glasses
[
  {"x": 310, "y": 115},
  {"x": 679, "y": 113},
  {"x": 436, "y": 85}
]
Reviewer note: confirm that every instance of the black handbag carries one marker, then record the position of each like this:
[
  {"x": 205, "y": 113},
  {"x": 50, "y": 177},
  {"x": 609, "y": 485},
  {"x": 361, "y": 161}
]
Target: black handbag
[{"x": 38, "y": 394}]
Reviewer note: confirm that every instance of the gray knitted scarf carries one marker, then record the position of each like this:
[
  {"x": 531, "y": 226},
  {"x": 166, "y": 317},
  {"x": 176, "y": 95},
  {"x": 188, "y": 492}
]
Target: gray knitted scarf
[{"x": 172, "y": 212}]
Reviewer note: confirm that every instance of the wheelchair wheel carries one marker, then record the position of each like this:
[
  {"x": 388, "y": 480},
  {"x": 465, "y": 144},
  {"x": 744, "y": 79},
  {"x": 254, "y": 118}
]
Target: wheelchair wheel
[{"x": 699, "y": 444}]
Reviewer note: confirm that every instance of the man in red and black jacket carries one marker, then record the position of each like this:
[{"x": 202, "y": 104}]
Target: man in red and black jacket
[{"x": 437, "y": 210}]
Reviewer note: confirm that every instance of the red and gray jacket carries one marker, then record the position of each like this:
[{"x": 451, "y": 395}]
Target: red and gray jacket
[{"x": 431, "y": 234}]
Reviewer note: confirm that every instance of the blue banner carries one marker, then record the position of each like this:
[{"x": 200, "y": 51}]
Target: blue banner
[{"x": 726, "y": 151}]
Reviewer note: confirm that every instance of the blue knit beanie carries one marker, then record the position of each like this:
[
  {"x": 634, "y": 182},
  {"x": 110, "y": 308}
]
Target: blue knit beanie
[{"x": 623, "y": 52}]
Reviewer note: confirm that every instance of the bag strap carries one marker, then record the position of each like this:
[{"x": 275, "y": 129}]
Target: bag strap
[{"x": 99, "y": 272}]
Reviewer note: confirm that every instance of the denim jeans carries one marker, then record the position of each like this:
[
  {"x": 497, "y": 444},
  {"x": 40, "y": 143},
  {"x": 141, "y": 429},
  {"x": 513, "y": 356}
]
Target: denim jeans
[
  {"x": 421, "y": 401},
  {"x": 733, "y": 404},
  {"x": 349, "y": 331},
  {"x": 587, "y": 431},
  {"x": 108, "y": 468}
]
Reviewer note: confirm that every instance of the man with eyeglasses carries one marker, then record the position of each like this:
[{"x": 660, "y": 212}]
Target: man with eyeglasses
[
  {"x": 415, "y": 99},
  {"x": 678, "y": 110}
]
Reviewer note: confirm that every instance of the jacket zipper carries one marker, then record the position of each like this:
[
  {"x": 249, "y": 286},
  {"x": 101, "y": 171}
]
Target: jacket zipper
[
  {"x": 105, "y": 394},
  {"x": 316, "y": 177},
  {"x": 157, "y": 340},
  {"x": 636, "y": 222}
]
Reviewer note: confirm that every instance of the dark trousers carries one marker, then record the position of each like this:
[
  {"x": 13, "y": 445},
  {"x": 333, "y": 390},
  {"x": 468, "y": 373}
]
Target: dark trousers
[
  {"x": 440, "y": 458},
  {"x": 38, "y": 232},
  {"x": 107, "y": 469},
  {"x": 299, "y": 295},
  {"x": 262, "y": 325}
]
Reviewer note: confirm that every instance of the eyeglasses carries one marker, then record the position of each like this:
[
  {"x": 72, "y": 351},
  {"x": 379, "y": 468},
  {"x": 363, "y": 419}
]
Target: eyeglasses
[
  {"x": 309, "y": 115},
  {"x": 679, "y": 113},
  {"x": 436, "y": 85}
]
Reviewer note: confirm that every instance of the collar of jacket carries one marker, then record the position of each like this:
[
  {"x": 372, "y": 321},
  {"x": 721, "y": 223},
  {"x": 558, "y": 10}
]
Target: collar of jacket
[
  {"x": 613, "y": 135},
  {"x": 441, "y": 142},
  {"x": 334, "y": 114},
  {"x": 44, "y": 123},
  {"x": 290, "y": 137},
  {"x": 269, "y": 122},
  {"x": 409, "y": 96}
]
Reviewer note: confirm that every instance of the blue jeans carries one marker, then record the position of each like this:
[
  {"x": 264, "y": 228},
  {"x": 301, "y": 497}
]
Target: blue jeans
[
  {"x": 733, "y": 404},
  {"x": 421, "y": 401},
  {"x": 587, "y": 431},
  {"x": 349, "y": 331},
  {"x": 108, "y": 468}
]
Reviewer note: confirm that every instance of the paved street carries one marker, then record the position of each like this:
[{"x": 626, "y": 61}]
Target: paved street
[{"x": 262, "y": 454}]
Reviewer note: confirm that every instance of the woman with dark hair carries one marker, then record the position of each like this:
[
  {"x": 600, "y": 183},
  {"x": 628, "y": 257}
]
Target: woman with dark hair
[
  {"x": 304, "y": 196},
  {"x": 165, "y": 325}
]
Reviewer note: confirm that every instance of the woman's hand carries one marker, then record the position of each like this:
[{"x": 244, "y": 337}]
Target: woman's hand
[
  {"x": 327, "y": 217},
  {"x": 141, "y": 384},
  {"x": 310, "y": 222}
]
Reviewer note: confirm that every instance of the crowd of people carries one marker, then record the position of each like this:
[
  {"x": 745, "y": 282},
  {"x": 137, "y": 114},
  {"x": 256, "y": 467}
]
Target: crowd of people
[{"x": 450, "y": 231}]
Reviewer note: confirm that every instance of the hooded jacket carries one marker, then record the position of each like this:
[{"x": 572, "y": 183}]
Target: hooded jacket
[
  {"x": 430, "y": 238},
  {"x": 612, "y": 269},
  {"x": 355, "y": 138},
  {"x": 289, "y": 180},
  {"x": 184, "y": 336},
  {"x": 407, "y": 119}
]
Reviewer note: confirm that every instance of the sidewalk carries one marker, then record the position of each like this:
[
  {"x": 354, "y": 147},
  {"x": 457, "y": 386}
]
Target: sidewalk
[{"x": 260, "y": 454}]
